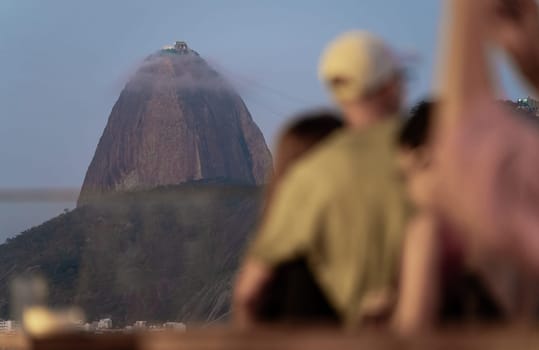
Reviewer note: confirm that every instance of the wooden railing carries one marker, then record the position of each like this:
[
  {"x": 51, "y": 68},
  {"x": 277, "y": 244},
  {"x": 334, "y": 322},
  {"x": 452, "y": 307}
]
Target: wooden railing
[
  {"x": 15, "y": 341},
  {"x": 315, "y": 339}
]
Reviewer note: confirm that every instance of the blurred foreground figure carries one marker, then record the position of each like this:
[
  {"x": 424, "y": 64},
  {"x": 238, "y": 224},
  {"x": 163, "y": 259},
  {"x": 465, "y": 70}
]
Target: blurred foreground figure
[
  {"x": 292, "y": 295},
  {"x": 342, "y": 208},
  {"x": 488, "y": 158},
  {"x": 442, "y": 283}
]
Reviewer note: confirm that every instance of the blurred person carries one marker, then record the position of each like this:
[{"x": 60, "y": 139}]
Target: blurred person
[
  {"x": 487, "y": 157},
  {"x": 292, "y": 295},
  {"x": 422, "y": 256},
  {"x": 439, "y": 284},
  {"x": 342, "y": 208}
]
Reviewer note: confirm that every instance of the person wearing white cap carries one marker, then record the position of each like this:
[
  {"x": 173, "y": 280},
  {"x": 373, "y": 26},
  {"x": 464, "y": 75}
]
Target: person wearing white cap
[
  {"x": 342, "y": 208},
  {"x": 364, "y": 78}
]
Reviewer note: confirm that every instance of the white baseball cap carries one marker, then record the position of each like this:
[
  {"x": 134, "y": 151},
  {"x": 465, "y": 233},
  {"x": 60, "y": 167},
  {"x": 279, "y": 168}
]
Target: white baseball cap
[{"x": 356, "y": 63}]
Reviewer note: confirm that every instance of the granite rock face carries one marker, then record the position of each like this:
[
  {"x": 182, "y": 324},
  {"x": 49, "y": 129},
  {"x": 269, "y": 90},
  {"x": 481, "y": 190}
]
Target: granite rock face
[{"x": 176, "y": 120}]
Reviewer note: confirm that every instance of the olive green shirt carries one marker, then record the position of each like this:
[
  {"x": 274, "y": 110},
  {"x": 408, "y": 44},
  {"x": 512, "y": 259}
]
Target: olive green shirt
[{"x": 343, "y": 208}]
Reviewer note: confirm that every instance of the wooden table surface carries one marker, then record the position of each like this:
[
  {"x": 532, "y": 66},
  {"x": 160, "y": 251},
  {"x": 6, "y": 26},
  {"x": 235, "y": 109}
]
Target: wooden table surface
[{"x": 315, "y": 339}]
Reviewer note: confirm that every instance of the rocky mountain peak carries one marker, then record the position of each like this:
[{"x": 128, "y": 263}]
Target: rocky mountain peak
[{"x": 176, "y": 120}]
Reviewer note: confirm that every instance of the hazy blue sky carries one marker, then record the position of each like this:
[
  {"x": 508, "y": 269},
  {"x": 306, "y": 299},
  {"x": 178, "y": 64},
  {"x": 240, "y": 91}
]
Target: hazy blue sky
[{"x": 64, "y": 62}]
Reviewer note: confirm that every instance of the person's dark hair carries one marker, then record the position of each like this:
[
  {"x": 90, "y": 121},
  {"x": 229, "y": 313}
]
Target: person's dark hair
[
  {"x": 303, "y": 133},
  {"x": 415, "y": 131},
  {"x": 297, "y": 138},
  {"x": 314, "y": 126}
]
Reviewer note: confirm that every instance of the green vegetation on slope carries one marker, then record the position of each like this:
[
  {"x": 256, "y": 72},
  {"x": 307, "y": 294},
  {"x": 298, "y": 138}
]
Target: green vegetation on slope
[{"x": 163, "y": 254}]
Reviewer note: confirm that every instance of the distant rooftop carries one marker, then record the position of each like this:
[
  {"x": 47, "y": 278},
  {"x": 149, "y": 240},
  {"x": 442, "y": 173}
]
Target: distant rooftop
[
  {"x": 529, "y": 105},
  {"x": 179, "y": 47}
]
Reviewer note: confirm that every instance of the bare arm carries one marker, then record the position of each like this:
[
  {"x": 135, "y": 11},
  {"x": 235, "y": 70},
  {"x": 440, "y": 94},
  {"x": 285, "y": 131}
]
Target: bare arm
[
  {"x": 463, "y": 71},
  {"x": 466, "y": 151},
  {"x": 252, "y": 280},
  {"x": 486, "y": 158},
  {"x": 419, "y": 287}
]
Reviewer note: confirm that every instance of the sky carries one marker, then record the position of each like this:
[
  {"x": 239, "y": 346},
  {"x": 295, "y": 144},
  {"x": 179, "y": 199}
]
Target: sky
[{"x": 63, "y": 64}]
